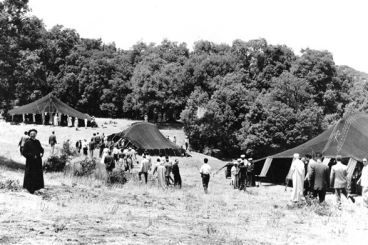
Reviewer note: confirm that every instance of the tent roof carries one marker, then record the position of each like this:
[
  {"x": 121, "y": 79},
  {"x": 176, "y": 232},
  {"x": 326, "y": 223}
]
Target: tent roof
[
  {"x": 146, "y": 136},
  {"x": 348, "y": 138},
  {"x": 50, "y": 104}
]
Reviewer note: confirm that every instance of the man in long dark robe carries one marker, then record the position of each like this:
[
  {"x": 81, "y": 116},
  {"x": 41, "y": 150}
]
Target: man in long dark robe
[
  {"x": 176, "y": 173},
  {"x": 33, "y": 152}
]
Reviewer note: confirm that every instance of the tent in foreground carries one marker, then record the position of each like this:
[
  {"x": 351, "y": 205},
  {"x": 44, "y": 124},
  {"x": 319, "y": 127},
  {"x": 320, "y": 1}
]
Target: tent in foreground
[
  {"x": 46, "y": 106},
  {"x": 348, "y": 138},
  {"x": 145, "y": 137}
]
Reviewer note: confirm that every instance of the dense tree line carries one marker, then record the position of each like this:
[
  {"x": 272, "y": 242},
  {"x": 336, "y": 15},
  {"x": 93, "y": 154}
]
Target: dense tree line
[{"x": 249, "y": 96}]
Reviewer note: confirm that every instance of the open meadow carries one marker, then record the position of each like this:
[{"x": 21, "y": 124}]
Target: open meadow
[{"x": 81, "y": 210}]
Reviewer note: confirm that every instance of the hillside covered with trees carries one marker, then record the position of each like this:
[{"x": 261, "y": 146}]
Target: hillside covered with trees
[{"x": 249, "y": 96}]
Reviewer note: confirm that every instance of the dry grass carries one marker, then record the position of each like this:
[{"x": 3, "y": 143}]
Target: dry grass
[{"x": 79, "y": 210}]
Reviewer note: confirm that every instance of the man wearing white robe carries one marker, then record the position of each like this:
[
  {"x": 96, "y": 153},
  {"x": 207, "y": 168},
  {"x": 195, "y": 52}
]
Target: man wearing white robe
[{"x": 297, "y": 173}]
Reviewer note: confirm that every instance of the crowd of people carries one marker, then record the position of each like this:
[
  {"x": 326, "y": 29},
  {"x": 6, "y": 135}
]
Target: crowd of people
[
  {"x": 242, "y": 173},
  {"x": 311, "y": 178},
  {"x": 112, "y": 155}
]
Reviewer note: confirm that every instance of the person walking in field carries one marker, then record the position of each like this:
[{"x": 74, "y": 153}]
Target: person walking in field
[
  {"x": 33, "y": 152},
  {"x": 363, "y": 181},
  {"x": 92, "y": 145},
  {"x": 106, "y": 151},
  {"x": 176, "y": 173},
  {"x": 22, "y": 141},
  {"x": 319, "y": 176},
  {"x": 233, "y": 172},
  {"x": 338, "y": 180},
  {"x": 205, "y": 172},
  {"x": 242, "y": 175},
  {"x": 85, "y": 147},
  {"x": 78, "y": 145},
  {"x": 131, "y": 157},
  {"x": 307, "y": 186},
  {"x": 144, "y": 169},
  {"x": 52, "y": 142},
  {"x": 297, "y": 174},
  {"x": 250, "y": 173},
  {"x": 168, "y": 167},
  {"x": 109, "y": 162},
  {"x": 160, "y": 169}
]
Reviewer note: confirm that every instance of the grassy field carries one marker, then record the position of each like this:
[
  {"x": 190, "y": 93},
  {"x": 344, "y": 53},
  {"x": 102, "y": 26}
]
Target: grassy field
[{"x": 82, "y": 210}]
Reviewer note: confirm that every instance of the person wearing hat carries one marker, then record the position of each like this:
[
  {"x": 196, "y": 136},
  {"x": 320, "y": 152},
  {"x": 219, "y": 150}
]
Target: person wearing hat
[{"x": 33, "y": 152}]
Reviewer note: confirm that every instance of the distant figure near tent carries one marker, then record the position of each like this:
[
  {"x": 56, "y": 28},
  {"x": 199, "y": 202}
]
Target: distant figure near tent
[{"x": 33, "y": 152}]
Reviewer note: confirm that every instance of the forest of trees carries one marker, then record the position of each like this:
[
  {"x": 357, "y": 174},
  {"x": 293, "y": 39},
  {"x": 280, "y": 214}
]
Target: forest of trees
[{"x": 249, "y": 96}]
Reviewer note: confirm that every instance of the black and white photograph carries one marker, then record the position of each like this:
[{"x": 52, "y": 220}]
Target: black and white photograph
[{"x": 235, "y": 122}]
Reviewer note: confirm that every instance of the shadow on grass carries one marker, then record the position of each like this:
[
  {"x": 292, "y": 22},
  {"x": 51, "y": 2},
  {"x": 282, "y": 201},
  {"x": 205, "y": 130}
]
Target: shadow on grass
[{"x": 11, "y": 163}]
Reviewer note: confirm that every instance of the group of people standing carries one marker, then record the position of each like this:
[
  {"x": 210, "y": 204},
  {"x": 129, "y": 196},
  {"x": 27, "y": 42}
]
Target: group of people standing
[
  {"x": 242, "y": 173},
  {"x": 311, "y": 178},
  {"x": 168, "y": 173}
]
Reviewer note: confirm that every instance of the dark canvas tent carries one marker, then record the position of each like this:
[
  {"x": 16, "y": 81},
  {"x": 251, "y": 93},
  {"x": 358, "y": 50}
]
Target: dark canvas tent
[
  {"x": 48, "y": 104},
  {"x": 145, "y": 136},
  {"x": 348, "y": 138}
]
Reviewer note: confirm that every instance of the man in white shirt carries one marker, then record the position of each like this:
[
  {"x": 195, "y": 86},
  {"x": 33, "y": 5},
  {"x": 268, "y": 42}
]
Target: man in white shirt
[
  {"x": 205, "y": 172},
  {"x": 363, "y": 181}
]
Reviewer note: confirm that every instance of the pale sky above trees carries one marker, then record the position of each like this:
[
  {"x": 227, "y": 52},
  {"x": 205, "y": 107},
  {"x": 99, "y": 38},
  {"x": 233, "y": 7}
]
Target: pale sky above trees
[{"x": 334, "y": 25}]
